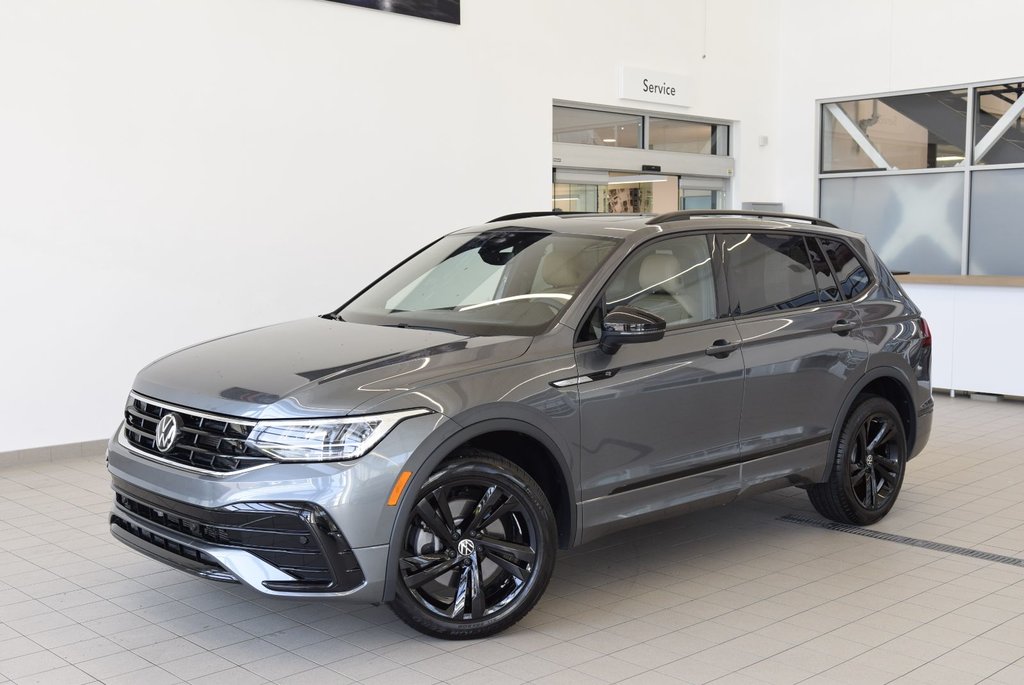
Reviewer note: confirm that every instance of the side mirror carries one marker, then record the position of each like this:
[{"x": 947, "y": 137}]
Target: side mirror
[{"x": 629, "y": 325}]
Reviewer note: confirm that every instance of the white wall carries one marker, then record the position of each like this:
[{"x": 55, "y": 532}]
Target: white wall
[{"x": 172, "y": 170}]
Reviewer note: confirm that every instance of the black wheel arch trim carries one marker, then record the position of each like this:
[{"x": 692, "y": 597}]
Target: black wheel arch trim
[
  {"x": 871, "y": 375},
  {"x": 432, "y": 451}
]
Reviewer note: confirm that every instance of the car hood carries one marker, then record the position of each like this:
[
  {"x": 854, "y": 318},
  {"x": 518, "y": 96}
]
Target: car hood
[{"x": 315, "y": 367}]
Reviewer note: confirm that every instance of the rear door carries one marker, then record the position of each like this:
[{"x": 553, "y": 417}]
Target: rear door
[{"x": 802, "y": 353}]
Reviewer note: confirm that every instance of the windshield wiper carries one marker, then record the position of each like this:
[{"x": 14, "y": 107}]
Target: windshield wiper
[{"x": 420, "y": 328}]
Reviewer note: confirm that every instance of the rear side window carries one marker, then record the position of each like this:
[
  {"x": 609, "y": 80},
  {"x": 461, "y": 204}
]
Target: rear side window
[
  {"x": 852, "y": 276},
  {"x": 828, "y": 290},
  {"x": 769, "y": 272}
]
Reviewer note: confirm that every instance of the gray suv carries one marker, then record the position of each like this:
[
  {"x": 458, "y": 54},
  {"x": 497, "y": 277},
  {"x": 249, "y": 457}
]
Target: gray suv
[{"x": 522, "y": 386}]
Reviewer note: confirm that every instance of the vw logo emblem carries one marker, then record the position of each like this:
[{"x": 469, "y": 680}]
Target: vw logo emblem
[
  {"x": 466, "y": 547},
  {"x": 167, "y": 432}
]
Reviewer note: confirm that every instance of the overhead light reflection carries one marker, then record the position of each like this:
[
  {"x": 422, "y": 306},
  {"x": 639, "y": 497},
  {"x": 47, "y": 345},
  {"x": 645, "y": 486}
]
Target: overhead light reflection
[{"x": 534, "y": 296}]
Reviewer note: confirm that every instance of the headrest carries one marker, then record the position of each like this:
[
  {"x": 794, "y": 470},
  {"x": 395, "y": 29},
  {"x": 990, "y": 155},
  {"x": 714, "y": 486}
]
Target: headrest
[{"x": 660, "y": 271}]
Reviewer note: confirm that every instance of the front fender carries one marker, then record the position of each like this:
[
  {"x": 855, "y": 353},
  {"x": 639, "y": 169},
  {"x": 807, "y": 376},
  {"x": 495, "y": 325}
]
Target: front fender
[{"x": 449, "y": 436}]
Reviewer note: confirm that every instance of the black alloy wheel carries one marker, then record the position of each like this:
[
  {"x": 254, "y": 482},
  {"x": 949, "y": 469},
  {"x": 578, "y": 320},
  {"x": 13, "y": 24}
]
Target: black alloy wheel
[
  {"x": 868, "y": 466},
  {"x": 477, "y": 551}
]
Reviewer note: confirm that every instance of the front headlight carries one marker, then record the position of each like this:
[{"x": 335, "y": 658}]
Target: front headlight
[{"x": 325, "y": 439}]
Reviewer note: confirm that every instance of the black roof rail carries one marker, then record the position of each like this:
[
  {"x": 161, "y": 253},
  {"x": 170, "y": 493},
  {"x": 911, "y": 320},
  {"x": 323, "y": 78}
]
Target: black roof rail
[
  {"x": 529, "y": 215},
  {"x": 698, "y": 213}
]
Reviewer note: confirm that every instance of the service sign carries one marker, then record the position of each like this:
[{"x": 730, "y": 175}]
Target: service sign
[{"x": 646, "y": 85}]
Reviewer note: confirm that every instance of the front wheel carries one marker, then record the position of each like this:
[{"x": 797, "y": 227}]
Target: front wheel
[
  {"x": 477, "y": 551},
  {"x": 868, "y": 465}
]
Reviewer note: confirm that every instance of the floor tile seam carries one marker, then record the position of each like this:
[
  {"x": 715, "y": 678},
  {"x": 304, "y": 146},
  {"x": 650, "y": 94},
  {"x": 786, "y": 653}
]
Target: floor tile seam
[
  {"x": 949, "y": 651},
  {"x": 77, "y": 664},
  {"x": 787, "y": 618},
  {"x": 899, "y": 635},
  {"x": 928, "y": 546},
  {"x": 948, "y": 613}
]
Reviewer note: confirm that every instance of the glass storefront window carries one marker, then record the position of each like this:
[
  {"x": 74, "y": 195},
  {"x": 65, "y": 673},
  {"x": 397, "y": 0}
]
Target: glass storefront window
[
  {"x": 589, "y": 127},
  {"x": 915, "y": 131},
  {"x": 992, "y": 102},
  {"x": 675, "y": 135}
]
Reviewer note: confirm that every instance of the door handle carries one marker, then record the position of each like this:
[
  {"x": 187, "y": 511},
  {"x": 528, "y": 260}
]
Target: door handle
[
  {"x": 721, "y": 348},
  {"x": 844, "y": 326}
]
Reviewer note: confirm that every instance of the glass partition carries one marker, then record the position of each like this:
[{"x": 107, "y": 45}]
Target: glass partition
[
  {"x": 913, "y": 221},
  {"x": 997, "y": 203}
]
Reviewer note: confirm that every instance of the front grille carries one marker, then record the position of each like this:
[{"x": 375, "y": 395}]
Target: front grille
[
  {"x": 209, "y": 443},
  {"x": 297, "y": 538}
]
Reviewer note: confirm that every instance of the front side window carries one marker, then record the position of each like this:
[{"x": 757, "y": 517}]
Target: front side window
[
  {"x": 671, "y": 278},
  {"x": 500, "y": 282},
  {"x": 768, "y": 272}
]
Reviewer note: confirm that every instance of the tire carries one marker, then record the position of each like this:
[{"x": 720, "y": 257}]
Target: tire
[
  {"x": 477, "y": 551},
  {"x": 868, "y": 465}
]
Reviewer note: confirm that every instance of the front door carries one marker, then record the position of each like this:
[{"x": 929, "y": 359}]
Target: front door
[{"x": 660, "y": 419}]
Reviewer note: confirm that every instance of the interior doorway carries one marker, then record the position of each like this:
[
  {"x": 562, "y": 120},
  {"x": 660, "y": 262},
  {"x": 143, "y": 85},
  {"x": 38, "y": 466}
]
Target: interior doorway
[{"x": 589, "y": 190}]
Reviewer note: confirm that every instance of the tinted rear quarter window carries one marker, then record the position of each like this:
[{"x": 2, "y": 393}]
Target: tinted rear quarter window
[
  {"x": 852, "y": 276},
  {"x": 828, "y": 289}
]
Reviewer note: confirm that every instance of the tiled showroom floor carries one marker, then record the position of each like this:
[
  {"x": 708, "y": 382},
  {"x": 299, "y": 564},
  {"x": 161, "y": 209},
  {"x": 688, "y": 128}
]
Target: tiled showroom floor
[{"x": 731, "y": 595}]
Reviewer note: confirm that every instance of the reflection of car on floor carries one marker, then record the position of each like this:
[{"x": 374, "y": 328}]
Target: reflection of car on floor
[{"x": 529, "y": 384}]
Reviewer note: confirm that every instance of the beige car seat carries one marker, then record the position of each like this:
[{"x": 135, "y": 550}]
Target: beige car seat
[
  {"x": 678, "y": 291},
  {"x": 660, "y": 278}
]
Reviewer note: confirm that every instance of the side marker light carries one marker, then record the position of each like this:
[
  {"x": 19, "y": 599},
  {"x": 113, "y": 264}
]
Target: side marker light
[{"x": 400, "y": 483}]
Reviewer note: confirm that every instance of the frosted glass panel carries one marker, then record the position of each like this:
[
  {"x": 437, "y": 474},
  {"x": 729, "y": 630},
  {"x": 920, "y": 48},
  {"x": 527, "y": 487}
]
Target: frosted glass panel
[
  {"x": 914, "y": 222},
  {"x": 997, "y": 240}
]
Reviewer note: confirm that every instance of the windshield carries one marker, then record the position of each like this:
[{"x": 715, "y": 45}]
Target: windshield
[{"x": 500, "y": 282}]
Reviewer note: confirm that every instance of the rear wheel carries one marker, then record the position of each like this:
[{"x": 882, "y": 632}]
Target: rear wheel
[
  {"x": 478, "y": 550},
  {"x": 868, "y": 465}
]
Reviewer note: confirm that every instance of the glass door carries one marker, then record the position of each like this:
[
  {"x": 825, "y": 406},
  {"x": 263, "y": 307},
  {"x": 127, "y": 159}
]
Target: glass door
[
  {"x": 701, "y": 193},
  {"x": 590, "y": 190},
  {"x": 585, "y": 190}
]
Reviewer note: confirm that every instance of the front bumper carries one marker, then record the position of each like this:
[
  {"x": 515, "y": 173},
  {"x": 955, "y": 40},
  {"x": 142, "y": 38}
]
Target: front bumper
[
  {"x": 283, "y": 547},
  {"x": 248, "y": 526}
]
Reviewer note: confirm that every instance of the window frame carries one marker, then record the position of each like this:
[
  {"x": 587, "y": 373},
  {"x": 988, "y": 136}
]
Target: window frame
[{"x": 972, "y": 163}]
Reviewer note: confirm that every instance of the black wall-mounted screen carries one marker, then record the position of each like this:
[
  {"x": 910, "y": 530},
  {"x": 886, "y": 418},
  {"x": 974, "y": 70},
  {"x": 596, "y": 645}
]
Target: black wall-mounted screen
[{"x": 438, "y": 10}]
